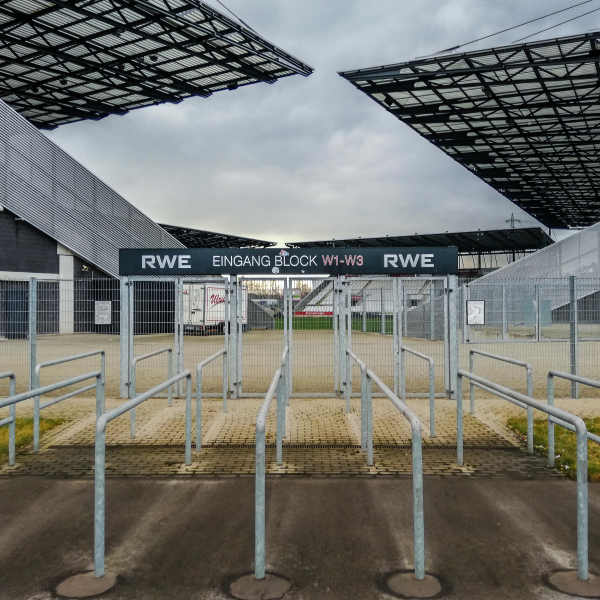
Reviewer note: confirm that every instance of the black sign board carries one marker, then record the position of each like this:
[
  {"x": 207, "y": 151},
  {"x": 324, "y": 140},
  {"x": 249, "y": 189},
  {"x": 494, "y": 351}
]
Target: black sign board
[{"x": 289, "y": 261}]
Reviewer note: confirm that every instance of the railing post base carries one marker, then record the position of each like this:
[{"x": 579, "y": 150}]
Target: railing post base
[
  {"x": 406, "y": 585},
  {"x": 247, "y": 587},
  {"x": 85, "y": 585}
]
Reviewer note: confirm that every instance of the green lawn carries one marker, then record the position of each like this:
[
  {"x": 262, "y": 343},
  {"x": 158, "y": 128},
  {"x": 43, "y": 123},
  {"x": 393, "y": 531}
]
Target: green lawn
[
  {"x": 324, "y": 323},
  {"x": 24, "y": 433},
  {"x": 565, "y": 444}
]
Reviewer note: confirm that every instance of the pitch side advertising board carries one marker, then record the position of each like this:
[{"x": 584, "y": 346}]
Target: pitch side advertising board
[{"x": 289, "y": 261}]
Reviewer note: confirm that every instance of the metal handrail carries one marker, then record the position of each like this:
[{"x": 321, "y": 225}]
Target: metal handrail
[
  {"x": 59, "y": 361},
  {"x": 417, "y": 464},
  {"x": 133, "y": 383},
  {"x": 199, "y": 368},
  {"x": 512, "y": 361},
  {"x": 552, "y": 421},
  {"x": 561, "y": 417},
  {"x": 12, "y": 417},
  {"x": 100, "y": 456},
  {"x": 430, "y": 360},
  {"x": 366, "y": 410},
  {"x": 279, "y": 386},
  {"x": 40, "y": 391}
]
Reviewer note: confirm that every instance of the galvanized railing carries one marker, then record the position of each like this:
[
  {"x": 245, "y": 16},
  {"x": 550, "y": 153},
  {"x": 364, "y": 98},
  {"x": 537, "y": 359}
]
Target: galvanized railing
[
  {"x": 40, "y": 391},
  {"x": 417, "y": 464},
  {"x": 199, "y": 368},
  {"x": 366, "y": 409},
  {"x": 552, "y": 420},
  {"x": 12, "y": 417},
  {"x": 403, "y": 351},
  {"x": 133, "y": 385},
  {"x": 560, "y": 417},
  {"x": 278, "y": 386},
  {"x": 512, "y": 361},
  {"x": 36, "y": 384},
  {"x": 100, "y": 456}
]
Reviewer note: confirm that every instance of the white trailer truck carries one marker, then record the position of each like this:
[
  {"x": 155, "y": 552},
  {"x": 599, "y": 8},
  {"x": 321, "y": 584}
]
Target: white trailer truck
[{"x": 204, "y": 308}]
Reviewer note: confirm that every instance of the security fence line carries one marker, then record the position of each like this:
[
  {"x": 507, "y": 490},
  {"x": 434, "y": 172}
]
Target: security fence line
[{"x": 551, "y": 324}]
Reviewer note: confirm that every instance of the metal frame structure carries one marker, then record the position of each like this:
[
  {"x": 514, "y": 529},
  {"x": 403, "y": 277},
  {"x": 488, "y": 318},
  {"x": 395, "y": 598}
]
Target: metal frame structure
[
  {"x": 69, "y": 60},
  {"x": 199, "y": 368},
  {"x": 100, "y": 456},
  {"x": 36, "y": 384},
  {"x": 555, "y": 415},
  {"x": 11, "y": 420},
  {"x": 198, "y": 238},
  {"x": 524, "y": 118},
  {"x": 431, "y": 362}
]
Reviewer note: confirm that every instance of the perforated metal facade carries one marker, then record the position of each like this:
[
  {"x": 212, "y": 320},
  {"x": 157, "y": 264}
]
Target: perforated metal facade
[
  {"x": 43, "y": 185},
  {"x": 67, "y": 60},
  {"x": 524, "y": 118}
]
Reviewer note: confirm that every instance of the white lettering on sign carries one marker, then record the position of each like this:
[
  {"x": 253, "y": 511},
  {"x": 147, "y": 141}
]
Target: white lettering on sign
[
  {"x": 184, "y": 261},
  {"x": 148, "y": 261},
  {"x": 390, "y": 259},
  {"x": 166, "y": 261},
  {"x": 426, "y": 261},
  {"x": 409, "y": 260},
  {"x": 216, "y": 261}
]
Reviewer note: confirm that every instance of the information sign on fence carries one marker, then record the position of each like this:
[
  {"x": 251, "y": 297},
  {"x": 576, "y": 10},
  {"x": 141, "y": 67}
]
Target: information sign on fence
[{"x": 289, "y": 261}]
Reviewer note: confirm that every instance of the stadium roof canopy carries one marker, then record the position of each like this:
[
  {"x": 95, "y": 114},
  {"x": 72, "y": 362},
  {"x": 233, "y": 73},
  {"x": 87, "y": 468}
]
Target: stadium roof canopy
[
  {"x": 500, "y": 241},
  {"x": 524, "y": 118},
  {"x": 66, "y": 60},
  {"x": 196, "y": 238}
]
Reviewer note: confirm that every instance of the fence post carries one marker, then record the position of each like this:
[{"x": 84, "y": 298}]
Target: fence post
[
  {"x": 170, "y": 375},
  {"x": 453, "y": 333},
  {"x": 471, "y": 386},
  {"x": 466, "y": 326},
  {"x": 188, "y": 419},
  {"x": 363, "y": 410},
  {"x": 418, "y": 518},
  {"x": 529, "y": 372},
  {"x": 32, "y": 330},
  {"x": 395, "y": 311},
  {"x": 336, "y": 339},
  {"x": 133, "y": 392},
  {"x": 537, "y": 313},
  {"x": 226, "y": 331},
  {"x": 131, "y": 321},
  {"x": 369, "y": 422},
  {"x": 99, "y": 499},
  {"x": 364, "y": 311},
  {"x": 280, "y": 418},
  {"x": 382, "y": 311},
  {"x": 573, "y": 335},
  {"x": 431, "y": 398},
  {"x": 342, "y": 362},
  {"x": 459, "y": 421},
  {"x": 240, "y": 347},
  {"x": 259, "y": 506},
  {"x": 432, "y": 310},
  {"x": 290, "y": 358},
  {"x": 403, "y": 373},
  {"x": 504, "y": 315},
  {"x": 233, "y": 340},
  {"x": 198, "y": 409},
  {"x": 551, "y": 429},
  {"x": 124, "y": 358},
  {"x": 225, "y": 379}
]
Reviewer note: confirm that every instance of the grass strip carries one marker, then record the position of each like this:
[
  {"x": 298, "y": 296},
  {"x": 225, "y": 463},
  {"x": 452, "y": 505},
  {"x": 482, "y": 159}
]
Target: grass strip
[
  {"x": 24, "y": 432},
  {"x": 565, "y": 444}
]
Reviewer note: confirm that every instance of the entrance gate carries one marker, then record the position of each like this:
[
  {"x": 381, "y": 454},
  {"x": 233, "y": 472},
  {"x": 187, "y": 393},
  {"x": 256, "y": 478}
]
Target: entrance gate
[{"x": 317, "y": 317}]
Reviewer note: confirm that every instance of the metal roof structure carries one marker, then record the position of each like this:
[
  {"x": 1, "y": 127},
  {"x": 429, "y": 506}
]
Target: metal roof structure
[
  {"x": 44, "y": 186},
  {"x": 197, "y": 238},
  {"x": 499, "y": 241},
  {"x": 524, "y": 118},
  {"x": 66, "y": 60}
]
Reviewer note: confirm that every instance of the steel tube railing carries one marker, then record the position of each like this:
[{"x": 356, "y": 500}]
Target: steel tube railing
[
  {"x": 133, "y": 383},
  {"x": 417, "y": 464},
  {"x": 100, "y": 456},
  {"x": 529, "y": 375},
  {"x": 559, "y": 416},
  {"x": 366, "y": 409},
  {"x": 59, "y": 361},
  {"x": 40, "y": 391},
  {"x": 552, "y": 421},
  {"x": 12, "y": 417},
  {"x": 278, "y": 386},
  {"x": 429, "y": 359},
  {"x": 199, "y": 368}
]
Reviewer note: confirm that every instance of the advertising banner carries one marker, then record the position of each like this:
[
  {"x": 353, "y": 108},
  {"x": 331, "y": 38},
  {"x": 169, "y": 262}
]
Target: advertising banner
[{"x": 290, "y": 261}]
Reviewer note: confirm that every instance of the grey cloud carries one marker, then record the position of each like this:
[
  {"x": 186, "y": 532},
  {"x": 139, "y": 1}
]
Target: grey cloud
[{"x": 310, "y": 158}]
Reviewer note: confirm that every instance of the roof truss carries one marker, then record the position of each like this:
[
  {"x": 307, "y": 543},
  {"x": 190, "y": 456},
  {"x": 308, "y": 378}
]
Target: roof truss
[{"x": 524, "y": 118}]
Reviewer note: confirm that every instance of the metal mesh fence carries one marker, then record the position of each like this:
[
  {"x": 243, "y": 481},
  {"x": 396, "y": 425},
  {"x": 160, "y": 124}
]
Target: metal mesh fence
[{"x": 553, "y": 324}]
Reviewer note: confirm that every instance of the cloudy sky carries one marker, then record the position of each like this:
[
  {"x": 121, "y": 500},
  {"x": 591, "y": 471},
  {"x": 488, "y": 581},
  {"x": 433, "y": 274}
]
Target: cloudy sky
[{"x": 313, "y": 158}]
